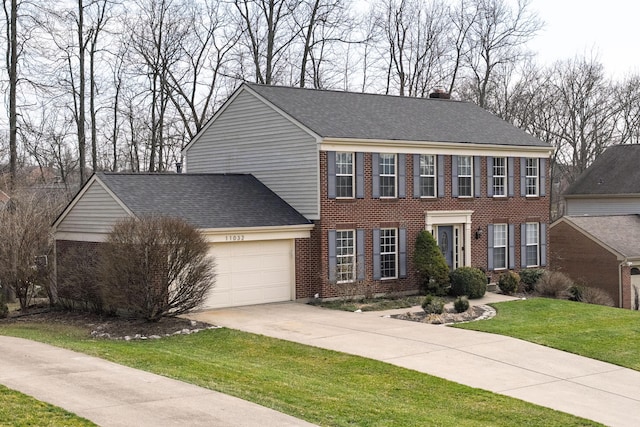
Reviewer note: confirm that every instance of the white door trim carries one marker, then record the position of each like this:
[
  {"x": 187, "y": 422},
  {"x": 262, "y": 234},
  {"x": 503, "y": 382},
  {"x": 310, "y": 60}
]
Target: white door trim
[{"x": 462, "y": 218}]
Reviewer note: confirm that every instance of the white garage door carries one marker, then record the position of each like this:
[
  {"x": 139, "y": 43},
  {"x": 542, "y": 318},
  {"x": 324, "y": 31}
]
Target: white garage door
[{"x": 252, "y": 273}]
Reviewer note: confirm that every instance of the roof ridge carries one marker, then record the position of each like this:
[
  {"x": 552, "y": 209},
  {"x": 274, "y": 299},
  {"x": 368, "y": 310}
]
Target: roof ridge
[{"x": 417, "y": 98}]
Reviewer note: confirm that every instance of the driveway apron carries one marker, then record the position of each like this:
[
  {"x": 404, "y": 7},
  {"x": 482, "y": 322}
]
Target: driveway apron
[{"x": 566, "y": 382}]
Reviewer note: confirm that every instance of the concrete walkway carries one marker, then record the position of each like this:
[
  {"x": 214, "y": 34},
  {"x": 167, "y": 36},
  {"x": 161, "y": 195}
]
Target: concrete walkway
[
  {"x": 577, "y": 385},
  {"x": 113, "y": 395}
]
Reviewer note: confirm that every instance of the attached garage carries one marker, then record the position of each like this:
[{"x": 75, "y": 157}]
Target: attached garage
[
  {"x": 251, "y": 230},
  {"x": 252, "y": 273}
]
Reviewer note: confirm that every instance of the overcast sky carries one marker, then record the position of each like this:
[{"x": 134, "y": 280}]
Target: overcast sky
[{"x": 610, "y": 29}]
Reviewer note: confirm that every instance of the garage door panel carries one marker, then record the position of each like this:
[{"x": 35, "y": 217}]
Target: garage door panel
[{"x": 251, "y": 273}]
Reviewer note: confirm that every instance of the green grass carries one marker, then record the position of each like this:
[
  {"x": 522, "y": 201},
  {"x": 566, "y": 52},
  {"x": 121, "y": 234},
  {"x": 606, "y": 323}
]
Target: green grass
[
  {"x": 17, "y": 409},
  {"x": 321, "y": 386},
  {"x": 603, "y": 333}
]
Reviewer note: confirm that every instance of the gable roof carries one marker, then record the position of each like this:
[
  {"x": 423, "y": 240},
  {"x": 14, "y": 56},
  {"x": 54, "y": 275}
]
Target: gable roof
[
  {"x": 620, "y": 233},
  {"x": 616, "y": 171},
  {"x": 335, "y": 114},
  {"x": 206, "y": 201}
]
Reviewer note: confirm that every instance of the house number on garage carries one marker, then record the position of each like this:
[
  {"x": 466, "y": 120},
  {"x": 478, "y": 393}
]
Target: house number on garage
[{"x": 234, "y": 238}]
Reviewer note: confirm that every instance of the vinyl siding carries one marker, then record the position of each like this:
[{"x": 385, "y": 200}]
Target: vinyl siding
[
  {"x": 251, "y": 137},
  {"x": 95, "y": 212},
  {"x": 608, "y": 206}
]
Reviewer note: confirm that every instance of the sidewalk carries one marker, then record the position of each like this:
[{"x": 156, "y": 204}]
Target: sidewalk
[
  {"x": 566, "y": 382},
  {"x": 112, "y": 395}
]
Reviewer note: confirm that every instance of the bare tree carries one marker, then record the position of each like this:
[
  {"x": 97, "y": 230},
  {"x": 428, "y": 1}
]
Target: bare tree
[
  {"x": 155, "y": 267},
  {"x": 11, "y": 20},
  {"x": 415, "y": 42},
  {"x": 26, "y": 244},
  {"x": 496, "y": 36}
]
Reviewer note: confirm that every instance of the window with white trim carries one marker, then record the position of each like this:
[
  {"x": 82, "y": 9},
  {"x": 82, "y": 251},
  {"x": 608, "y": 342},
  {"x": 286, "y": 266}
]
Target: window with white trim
[
  {"x": 427, "y": 175},
  {"x": 345, "y": 256},
  {"x": 531, "y": 177},
  {"x": 465, "y": 176},
  {"x": 388, "y": 175},
  {"x": 344, "y": 175},
  {"x": 499, "y": 176},
  {"x": 500, "y": 240},
  {"x": 388, "y": 253},
  {"x": 532, "y": 244}
]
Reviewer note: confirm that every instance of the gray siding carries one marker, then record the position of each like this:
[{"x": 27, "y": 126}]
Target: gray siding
[
  {"x": 608, "y": 206},
  {"x": 250, "y": 137},
  {"x": 95, "y": 212}
]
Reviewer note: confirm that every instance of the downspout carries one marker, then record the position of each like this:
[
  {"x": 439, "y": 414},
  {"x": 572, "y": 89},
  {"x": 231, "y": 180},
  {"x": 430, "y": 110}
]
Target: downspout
[{"x": 625, "y": 263}]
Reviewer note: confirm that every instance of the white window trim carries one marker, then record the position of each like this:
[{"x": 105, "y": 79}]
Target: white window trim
[
  {"x": 536, "y": 244},
  {"x": 352, "y": 256},
  {"x": 395, "y": 252},
  {"x": 505, "y": 246},
  {"x": 504, "y": 177},
  {"x": 434, "y": 176},
  {"x": 352, "y": 175},
  {"x": 394, "y": 175},
  {"x": 536, "y": 176},
  {"x": 470, "y": 176}
]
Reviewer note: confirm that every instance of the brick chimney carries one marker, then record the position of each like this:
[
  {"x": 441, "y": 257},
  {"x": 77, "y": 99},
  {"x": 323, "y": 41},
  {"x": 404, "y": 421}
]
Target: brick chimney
[{"x": 440, "y": 94}]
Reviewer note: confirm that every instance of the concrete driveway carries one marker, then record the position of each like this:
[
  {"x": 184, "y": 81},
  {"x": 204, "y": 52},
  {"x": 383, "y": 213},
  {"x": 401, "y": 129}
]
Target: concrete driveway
[
  {"x": 577, "y": 385},
  {"x": 112, "y": 395}
]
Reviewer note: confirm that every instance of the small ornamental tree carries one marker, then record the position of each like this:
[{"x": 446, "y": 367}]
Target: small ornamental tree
[
  {"x": 155, "y": 267},
  {"x": 431, "y": 265}
]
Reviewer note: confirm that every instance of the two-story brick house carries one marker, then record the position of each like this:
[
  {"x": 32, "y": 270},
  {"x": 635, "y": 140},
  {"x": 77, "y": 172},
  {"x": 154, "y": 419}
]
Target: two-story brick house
[{"x": 372, "y": 171}]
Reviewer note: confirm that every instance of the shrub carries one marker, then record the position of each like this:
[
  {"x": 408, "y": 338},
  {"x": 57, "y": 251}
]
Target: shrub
[
  {"x": 4, "y": 310},
  {"x": 508, "y": 282},
  {"x": 431, "y": 265},
  {"x": 529, "y": 277},
  {"x": 461, "y": 304},
  {"x": 575, "y": 293},
  {"x": 433, "y": 305},
  {"x": 596, "y": 296},
  {"x": 469, "y": 281},
  {"x": 154, "y": 267},
  {"x": 554, "y": 284}
]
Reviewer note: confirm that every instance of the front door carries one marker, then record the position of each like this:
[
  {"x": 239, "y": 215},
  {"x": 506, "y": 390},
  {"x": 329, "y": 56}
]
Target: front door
[{"x": 446, "y": 243}]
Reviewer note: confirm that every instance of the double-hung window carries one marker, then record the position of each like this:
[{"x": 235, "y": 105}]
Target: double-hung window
[
  {"x": 344, "y": 175},
  {"x": 500, "y": 233},
  {"x": 427, "y": 175},
  {"x": 465, "y": 176},
  {"x": 531, "y": 177},
  {"x": 499, "y": 176},
  {"x": 345, "y": 256},
  {"x": 388, "y": 175},
  {"x": 532, "y": 244},
  {"x": 388, "y": 253}
]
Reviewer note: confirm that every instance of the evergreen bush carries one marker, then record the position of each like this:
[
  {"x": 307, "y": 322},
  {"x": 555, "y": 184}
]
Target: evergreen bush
[
  {"x": 461, "y": 304},
  {"x": 508, "y": 282},
  {"x": 529, "y": 277},
  {"x": 433, "y": 305},
  {"x": 469, "y": 281},
  {"x": 431, "y": 265}
]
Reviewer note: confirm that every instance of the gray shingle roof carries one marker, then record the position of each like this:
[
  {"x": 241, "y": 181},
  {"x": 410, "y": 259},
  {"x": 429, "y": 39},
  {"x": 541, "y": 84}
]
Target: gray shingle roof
[
  {"x": 203, "y": 200},
  {"x": 619, "y": 232},
  {"x": 616, "y": 171},
  {"x": 369, "y": 116}
]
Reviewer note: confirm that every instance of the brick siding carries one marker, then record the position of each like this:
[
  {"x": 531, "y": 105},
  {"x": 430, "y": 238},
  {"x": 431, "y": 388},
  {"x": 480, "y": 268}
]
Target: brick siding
[
  {"x": 586, "y": 262},
  {"x": 409, "y": 213}
]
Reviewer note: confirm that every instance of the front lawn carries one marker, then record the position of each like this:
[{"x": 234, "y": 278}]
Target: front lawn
[
  {"x": 321, "y": 386},
  {"x": 603, "y": 333},
  {"x": 16, "y": 409}
]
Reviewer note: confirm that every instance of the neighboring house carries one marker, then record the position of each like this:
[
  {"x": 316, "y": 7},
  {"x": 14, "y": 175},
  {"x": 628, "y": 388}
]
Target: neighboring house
[
  {"x": 598, "y": 242},
  {"x": 372, "y": 171},
  {"x": 365, "y": 172}
]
